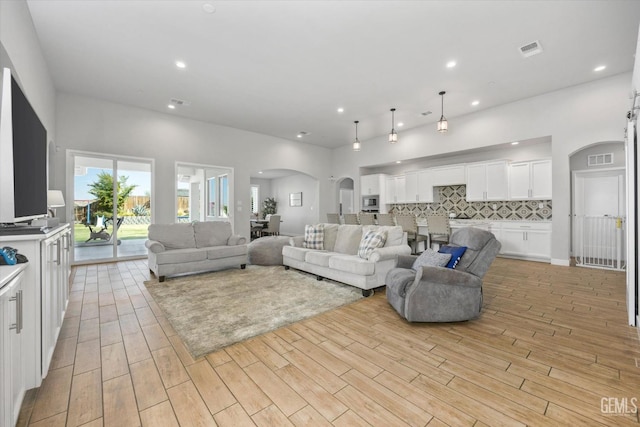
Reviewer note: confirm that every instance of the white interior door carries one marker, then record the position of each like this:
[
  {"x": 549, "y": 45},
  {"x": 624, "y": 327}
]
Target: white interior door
[{"x": 346, "y": 201}]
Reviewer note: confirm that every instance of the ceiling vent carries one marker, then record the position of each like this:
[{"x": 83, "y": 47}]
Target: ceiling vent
[
  {"x": 531, "y": 49},
  {"x": 600, "y": 159},
  {"x": 180, "y": 102}
]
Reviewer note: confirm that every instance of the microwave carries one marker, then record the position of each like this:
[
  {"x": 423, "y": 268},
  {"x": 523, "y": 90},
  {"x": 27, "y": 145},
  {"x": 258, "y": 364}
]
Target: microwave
[{"x": 370, "y": 202}]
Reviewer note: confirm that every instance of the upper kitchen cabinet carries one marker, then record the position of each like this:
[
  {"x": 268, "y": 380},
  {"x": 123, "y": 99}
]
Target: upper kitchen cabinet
[
  {"x": 448, "y": 175},
  {"x": 487, "y": 181},
  {"x": 530, "y": 180},
  {"x": 371, "y": 185}
]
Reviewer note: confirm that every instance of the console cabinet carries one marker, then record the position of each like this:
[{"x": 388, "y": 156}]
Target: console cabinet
[
  {"x": 530, "y": 240},
  {"x": 12, "y": 349}
]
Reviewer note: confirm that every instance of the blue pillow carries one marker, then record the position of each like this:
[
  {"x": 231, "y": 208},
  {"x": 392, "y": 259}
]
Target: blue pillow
[{"x": 456, "y": 253}]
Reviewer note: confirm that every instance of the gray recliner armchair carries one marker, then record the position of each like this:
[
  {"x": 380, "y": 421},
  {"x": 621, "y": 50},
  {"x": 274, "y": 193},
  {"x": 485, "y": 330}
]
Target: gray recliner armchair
[{"x": 440, "y": 294}]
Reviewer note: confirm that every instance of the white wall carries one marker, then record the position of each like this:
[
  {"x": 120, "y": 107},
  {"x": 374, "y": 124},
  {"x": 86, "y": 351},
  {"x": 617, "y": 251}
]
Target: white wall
[
  {"x": 20, "y": 51},
  {"x": 295, "y": 218},
  {"x": 574, "y": 117},
  {"x": 579, "y": 159},
  {"x": 94, "y": 125},
  {"x": 264, "y": 191}
]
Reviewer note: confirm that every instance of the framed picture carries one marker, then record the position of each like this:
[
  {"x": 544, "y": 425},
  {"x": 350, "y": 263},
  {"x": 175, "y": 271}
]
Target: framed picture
[{"x": 295, "y": 199}]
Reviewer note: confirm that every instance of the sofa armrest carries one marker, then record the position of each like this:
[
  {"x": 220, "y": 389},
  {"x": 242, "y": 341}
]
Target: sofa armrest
[
  {"x": 406, "y": 261},
  {"x": 236, "y": 239},
  {"x": 296, "y": 241},
  {"x": 154, "y": 246},
  {"x": 448, "y": 277},
  {"x": 390, "y": 252}
]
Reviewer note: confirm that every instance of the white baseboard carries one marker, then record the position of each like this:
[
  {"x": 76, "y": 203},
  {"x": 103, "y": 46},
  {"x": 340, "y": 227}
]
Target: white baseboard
[{"x": 563, "y": 262}]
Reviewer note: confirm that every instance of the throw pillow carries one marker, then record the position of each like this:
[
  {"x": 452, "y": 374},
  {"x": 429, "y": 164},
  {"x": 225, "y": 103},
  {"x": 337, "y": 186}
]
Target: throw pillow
[
  {"x": 313, "y": 237},
  {"x": 370, "y": 241},
  {"x": 456, "y": 253},
  {"x": 431, "y": 258}
]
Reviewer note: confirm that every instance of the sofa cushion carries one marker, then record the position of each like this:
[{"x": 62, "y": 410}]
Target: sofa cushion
[
  {"x": 330, "y": 234},
  {"x": 313, "y": 236},
  {"x": 395, "y": 234},
  {"x": 352, "y": 264},
  {"x": 181, "y": 256},
  {"x": 431, "y": 258},
  {"x": 371, "y": 240},
  {"x": 217, "y": 252},
  {"x": 320, "y": 258},
  {"x": 295, "y": 253},
  {"x": 348, "y": 239},
  {"x": 211, "y": 233},
  {"x": 173, "y": 236}
]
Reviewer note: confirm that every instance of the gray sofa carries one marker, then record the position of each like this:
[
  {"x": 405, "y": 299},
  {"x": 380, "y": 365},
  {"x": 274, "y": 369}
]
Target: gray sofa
[
  {"x": 194, "y": 247},
  {"x": 440, "y": 294},
  {"x": 339, "y": 259}
]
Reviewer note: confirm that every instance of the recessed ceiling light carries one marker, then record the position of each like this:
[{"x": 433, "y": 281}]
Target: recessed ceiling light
[
  {"x": 451, "y": 64},
  {"x": 181, "y": 64},
  {"x": 515, "y": 143},
  {"x": 400, "y": 124},
  {"x": 340, "y": 110},
  {"x": 299, "y": 135},
  {"x": 171, "y": 107},
  {"x": 209, "y": 8},
  {"x": 474, "y": 103},
  {"x": 260, "y": 172},
  {"x": 599, "y": 68},
  {"x": 398, "y": 161}
]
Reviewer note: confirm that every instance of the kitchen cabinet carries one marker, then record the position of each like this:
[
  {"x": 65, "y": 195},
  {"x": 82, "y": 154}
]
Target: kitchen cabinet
[
  {"x": 411, "y": 189},
  {"x": 487, "y": 181},
  {"x": 12, "y": 343},
  {"x": 371, "y": 185},
  {"x": 529, "y": 240},
  {"x": 425, "y": 186},
  {"x": 448, "y": 175},
  {"x": 530, "y": 180},
  {"x": 395, "y": 189}
]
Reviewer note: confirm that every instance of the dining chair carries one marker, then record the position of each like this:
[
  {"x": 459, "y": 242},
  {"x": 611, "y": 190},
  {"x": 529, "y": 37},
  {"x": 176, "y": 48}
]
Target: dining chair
[
  {"x": 409, "y": 224},
  {"x": 366, "y": 218},
  {"x": 273, "y": 227},
  {"x": 385, "y": 219},
  {"x": 351, "y": 218},
  {"x": 439, "y": 229},
  {"x": 333, "y": 218}
]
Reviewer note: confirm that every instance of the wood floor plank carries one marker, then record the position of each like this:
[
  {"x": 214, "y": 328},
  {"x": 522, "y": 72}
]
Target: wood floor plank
[
  {"x": 147, "y": 384},
  {"x": 136, "y": 346},
  {"x": 189, "y": 406},
  {"x": 369, "y": 410},
  {"x": 265, "y": 353},
  {"x": 308, "y": 416},
  {"x": 87, "y": 356},
  {"x": 233, "y": 416},
  {"x": 214, "y": 392},
  {"x": 85, "y": 403},
  {"x": 59, "y": 420},
  {"x": 160, "y": 415},
  {"x": 324, "y": 358},
  {"x": 284, "y": 397},
  {"x": 114, "y": 361},
  {"x": 250, "y": 396},
  {"x": 120, "y": 407},
  {"x": 64, "y": 353},
  {"x": 271, "y": 416},
  {"x": 89, "y": 330},
  {"x": 155, "y": 336},
  {"x": 171, "y": 370},
  {"x": 321, "y": 375}
]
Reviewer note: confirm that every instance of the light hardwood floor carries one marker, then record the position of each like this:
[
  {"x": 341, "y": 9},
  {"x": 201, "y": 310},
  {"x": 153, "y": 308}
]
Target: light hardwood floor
[{"x": 551, "y": 344}]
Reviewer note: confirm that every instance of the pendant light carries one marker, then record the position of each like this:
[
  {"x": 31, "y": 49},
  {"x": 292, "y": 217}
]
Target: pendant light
[
  {"x": 443, "y": 126},
  {"x": 356, "y": 143},
  {"x": 393, "y": 136}
]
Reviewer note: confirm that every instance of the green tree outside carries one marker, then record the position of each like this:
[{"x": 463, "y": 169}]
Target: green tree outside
[{"x": 102, "y": 190}]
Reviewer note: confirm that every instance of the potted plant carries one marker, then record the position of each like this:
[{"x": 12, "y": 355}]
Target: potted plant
[{"x": 269, "y": 207}]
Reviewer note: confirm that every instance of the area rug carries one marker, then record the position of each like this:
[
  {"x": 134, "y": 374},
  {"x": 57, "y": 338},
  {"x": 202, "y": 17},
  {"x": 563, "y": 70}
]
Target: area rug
[{"x": 211, "y": 311}]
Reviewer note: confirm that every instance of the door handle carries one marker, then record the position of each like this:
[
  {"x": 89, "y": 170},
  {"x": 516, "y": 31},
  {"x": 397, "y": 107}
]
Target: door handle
[{"x": 18, "y": 325}]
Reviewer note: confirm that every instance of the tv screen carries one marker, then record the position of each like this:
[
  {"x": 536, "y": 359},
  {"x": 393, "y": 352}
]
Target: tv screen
[{"x": 23, "y": 156}]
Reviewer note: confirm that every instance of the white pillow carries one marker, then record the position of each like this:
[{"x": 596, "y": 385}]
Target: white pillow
[
  {"x": 370, "y": 241},
  {"x": 431, "y": 258}
]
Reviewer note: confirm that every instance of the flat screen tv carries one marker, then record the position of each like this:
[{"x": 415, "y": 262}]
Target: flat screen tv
[{"x": 23, "y": 156}]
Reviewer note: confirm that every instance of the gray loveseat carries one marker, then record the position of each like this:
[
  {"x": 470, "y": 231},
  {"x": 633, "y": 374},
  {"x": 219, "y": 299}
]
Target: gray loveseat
[
  {"x": 339, "y": 259},
  {"x": 440, "y": 294},
  {"x": 194, "y": 247}
]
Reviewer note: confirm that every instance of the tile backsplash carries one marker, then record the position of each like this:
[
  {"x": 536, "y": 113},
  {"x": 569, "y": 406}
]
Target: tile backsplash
[{"x": 452, "y": 199}]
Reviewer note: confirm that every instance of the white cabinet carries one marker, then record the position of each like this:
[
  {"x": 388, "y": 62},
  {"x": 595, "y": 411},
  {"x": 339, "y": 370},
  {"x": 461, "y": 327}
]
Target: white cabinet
[
  {"x": 487, "y": 181},
  {"x": 425, "y": 186},
  {"x": 526, "y": 239},
  {"x": 411, "y": 188},
  {"x": 448, "y": 175},
  {"x": 370, "y": 185},
  {"x": 395, "y": 189},
  {"x": 12, "y": 339},
  {"x": 530, "y": 180}
]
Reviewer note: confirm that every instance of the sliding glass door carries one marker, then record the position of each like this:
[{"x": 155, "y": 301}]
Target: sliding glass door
[{"x": 112, "y": 207}]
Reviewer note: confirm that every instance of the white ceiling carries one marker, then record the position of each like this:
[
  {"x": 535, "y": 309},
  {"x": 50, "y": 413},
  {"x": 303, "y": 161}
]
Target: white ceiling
[{"x": 281, "y": 67}]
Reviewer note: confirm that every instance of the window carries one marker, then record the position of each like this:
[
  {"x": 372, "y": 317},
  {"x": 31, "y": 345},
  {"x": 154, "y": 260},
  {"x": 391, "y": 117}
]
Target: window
[
  {"x": 255, "y": 199},
  {"x": 211, "y": 197},
  {"x": 224, "y": 196}
]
